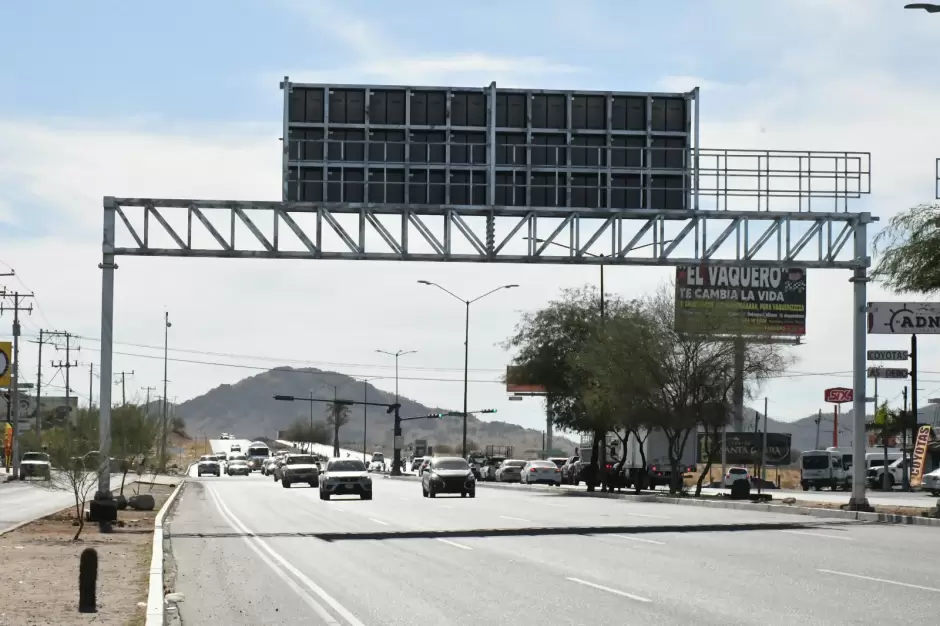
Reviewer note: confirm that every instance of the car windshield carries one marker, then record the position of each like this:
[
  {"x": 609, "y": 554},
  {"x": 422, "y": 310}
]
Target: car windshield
[
  {"x": 451, "y": 464},
  {"x": 378, "y": 458},
  {"x": 35, "y": 456},
  {"x": 737, "y": 470},
  {"x": 238, "y": 460},
  {"x": 347, "y": 465},
  {"x": 259, "y": 452},
  {"x": 541, "y": 464},
  {"x": 301, "y": 460}
]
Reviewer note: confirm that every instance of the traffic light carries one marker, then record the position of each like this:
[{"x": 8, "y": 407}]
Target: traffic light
[
  {"x": 488, "y": 411},
  {"x": 391, "y": 408},
  {"x": 436, "y": 416}
]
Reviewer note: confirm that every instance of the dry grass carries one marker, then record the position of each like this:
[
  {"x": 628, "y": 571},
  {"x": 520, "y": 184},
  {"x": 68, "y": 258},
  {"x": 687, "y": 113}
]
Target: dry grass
[
  {"x": 789, "y": 477},
  {"x": 39, "y": 579}
]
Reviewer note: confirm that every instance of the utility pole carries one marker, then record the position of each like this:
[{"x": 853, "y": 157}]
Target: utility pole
[
  {"x": 14, "y": 377},
  {"x": 91, "y": 386},
  {"x": 123, "y": 376},
  {"x": 43, "y": 338},
  {"x": 67, "y": 364},
  {"x": 148, "y": 390},
  {"x": 818, "y": 422}
]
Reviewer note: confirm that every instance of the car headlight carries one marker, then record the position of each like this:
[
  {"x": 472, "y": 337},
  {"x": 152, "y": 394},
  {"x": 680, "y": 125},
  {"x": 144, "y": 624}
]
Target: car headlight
[{"x": 470, "y": 477}]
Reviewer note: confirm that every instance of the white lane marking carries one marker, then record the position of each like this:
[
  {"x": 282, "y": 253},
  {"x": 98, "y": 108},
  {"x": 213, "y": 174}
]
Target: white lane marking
[
  {"x": 821, "y": 535},
  {"x": 455, "y": 544},
  {"x": 378, "y": 521},
  {"x": 879, "y": 580},
  {"x": 315, "y": 588},
  {"x": 647, "y": 515},
  {"x": 610, "y": 590},
  {"x": 306, "y": 597},
  {"x": 444, "y": 506},
  {"x": 658, "y": 543},
  {"x": 404, "y": 498},
  {"x": 515, "y": 519}
]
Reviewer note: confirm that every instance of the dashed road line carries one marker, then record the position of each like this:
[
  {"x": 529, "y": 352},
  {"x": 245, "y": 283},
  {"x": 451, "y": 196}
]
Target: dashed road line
[{"x": 609, "y": 590}]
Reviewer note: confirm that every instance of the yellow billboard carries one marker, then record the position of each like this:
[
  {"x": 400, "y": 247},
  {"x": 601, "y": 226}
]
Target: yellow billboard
[
  {"x": 6, "y": 364},
  {"x": 920, "y": 455}
]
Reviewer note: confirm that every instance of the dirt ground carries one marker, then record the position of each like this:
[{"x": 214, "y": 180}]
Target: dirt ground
[{"x": 39, "y": 568}]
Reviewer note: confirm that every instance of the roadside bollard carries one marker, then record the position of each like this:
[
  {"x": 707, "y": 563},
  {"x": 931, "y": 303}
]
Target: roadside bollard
[{"x": 87, "y": 581}]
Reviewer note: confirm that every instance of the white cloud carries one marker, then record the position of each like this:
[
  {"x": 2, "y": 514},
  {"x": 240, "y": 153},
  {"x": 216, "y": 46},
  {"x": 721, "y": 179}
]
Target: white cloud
[{"x": 340, "y": 312}]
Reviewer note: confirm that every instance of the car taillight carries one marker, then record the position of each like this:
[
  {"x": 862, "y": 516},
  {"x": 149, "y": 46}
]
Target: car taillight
[
  {"x": 532, "y": 470},
  {"x": 557, "y": 470},
  {"x": 608, "y": 466},
  {"x": 654, "y": 468}
]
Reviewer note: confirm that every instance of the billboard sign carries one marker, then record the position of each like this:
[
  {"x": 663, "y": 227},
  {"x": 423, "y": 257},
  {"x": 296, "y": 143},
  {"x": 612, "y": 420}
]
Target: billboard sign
[
  {"x": 750, "y": 300},
  {"x": 6, "y": 364},
  {"x": 516, "y": 384},
  {"x": 745, "y": 447},
  {"x": 888, "y": 372},
  {"x": 888, "y": 355},
  {"x": 55, "y": 409},
  {"x": 455, "y": 146},
  {"x": 920, "y": 455},
  {"x": 839, "y": 395},
  {"x": 903, "y": 318}
]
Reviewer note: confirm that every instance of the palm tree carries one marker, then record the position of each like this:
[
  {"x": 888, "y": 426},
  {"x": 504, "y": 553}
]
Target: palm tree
[{"x": 337, "y": 416}]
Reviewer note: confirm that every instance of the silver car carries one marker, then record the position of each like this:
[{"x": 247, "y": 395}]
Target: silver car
[
  {"x": 238, "y": 467},
  {"x": 510, "y": 471}
]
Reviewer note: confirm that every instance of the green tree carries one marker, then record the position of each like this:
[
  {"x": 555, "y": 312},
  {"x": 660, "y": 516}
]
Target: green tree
[
  {"x": 908, "y": 249},
  {"x": 302, "y": 431},
  {"x": 337, "y": 416},
  {"x": 645, "y": 373},
  {"x": 73, "y": 451},
  {"x": 549, "y": 344},
  {"x": 134, "y": 437}
]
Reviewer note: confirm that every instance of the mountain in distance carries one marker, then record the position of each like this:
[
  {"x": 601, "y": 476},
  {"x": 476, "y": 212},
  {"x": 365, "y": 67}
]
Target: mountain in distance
[{"x": 248, "y": 409}]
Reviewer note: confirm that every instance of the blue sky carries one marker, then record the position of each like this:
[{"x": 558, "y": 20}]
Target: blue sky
[{"x": 181, "y": 99}]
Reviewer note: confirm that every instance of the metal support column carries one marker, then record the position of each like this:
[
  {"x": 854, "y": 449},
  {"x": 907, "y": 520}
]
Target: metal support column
[
  {"x": 547, "y": 446},
  {"x": 107, "y": 267},
  {"x": 738, "y": 390},
  {"x": 858, "y": 501}
]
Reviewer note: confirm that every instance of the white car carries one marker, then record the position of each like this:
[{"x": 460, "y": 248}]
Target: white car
[
  {"x": 376, "y": 466},
  {"x": 931, "y": 483},
  {"x": 208, "y": 465},
  {"x": 544, "y": 472},
  {"x": 35, "y": 464},
  {"x": 735, "y": 473},
  {"x": 345, "y": 477}
]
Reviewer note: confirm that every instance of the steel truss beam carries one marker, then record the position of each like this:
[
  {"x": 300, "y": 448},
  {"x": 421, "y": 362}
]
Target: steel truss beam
[{"x": 285, "y": 230}]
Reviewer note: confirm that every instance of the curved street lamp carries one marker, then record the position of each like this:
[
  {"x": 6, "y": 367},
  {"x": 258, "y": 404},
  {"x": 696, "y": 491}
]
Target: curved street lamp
[{"x": 466, "y": 346}]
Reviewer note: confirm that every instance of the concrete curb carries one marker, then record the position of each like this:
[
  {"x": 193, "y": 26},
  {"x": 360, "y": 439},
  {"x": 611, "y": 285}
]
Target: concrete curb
[
  {"x": 859, "y": 516},
  {"x": 155, "y": 603}
]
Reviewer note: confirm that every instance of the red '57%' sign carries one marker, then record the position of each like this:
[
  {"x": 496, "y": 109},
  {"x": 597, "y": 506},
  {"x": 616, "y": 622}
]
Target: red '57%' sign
[{"x": 839, "y": 395}]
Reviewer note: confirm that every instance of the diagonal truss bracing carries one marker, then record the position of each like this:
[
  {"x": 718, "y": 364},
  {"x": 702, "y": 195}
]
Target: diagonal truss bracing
[{"x": 286, "y": 230}]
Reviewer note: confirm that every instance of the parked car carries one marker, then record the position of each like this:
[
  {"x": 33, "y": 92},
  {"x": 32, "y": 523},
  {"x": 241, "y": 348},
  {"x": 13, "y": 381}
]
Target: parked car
[
  {"x": 510, "y": 471},
  {"x": 345, "y": 477},
  {"x": 488, "y": 469},
  {"x": 298, "y": 468},
  {"x": 540, "y": 472},
  {"x": 416, "y": 463},
  {"x": 35, "y": 465},
  {"x": 570, "y": 471},
  {"x": 931, "y": 483},
  {"x": 735, "y": 473},
  {"x": 208, "y": 465},
  {"x": 448, "y": 475}
]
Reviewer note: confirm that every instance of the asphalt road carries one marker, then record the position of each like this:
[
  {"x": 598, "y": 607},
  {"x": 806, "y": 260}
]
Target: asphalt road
[
  {"x": 22, "y": 501},
  {"x": 248, "y": 551}
]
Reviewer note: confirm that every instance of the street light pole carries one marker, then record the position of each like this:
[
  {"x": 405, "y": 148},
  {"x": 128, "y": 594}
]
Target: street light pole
[
  {"x": 466, "y": 349},
  {"x": 166, "y": 344},
  {"x": 397, "y": 354},
  {"x": 310, "y": 432}
]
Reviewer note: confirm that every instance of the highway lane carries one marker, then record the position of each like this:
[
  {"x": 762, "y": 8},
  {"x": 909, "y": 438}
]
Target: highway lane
[
  {"x": 27, "y": 500},
  {"x": 635, "y": 563}
]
